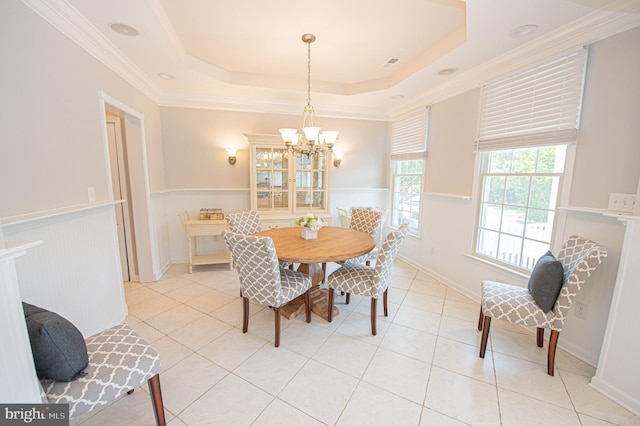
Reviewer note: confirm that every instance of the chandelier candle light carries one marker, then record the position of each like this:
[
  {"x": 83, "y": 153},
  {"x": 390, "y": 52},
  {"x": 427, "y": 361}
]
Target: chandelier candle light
[{"x": 308, "y": 139}]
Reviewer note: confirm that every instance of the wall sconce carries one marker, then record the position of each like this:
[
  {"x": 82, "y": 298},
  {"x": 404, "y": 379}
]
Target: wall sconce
[
  {"x": 231, "y": 152},
  {"x": 337, "y": 158}
]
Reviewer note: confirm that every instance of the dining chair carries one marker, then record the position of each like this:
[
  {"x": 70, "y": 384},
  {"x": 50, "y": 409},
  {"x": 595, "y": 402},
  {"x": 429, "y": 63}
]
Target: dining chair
[
  {"x": 343, "y": 216},
  {"x": 368, "y": 221},
  {"x": 263, "y": 280},
  {"x": 373, "y": 254},
  {"x": 247, "y": 223},
  {"x": 364, "y": 280},
  {"x": 578, "y": 257},
  {"x": 119, "y": 361}
]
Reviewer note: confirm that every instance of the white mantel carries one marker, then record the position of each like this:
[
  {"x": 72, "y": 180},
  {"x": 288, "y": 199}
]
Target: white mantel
[{"x": 618, "y": 373}]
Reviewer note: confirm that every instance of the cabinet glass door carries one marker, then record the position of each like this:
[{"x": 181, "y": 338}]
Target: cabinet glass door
[
  {"x": 311, "y": 183},
  {"x": 272, "y": 179}
]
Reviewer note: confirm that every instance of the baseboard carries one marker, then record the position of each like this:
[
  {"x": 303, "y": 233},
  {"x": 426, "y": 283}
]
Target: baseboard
[{"x": 627, "y": 401}]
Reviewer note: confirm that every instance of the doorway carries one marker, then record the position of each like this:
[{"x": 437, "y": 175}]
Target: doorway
[{"x": 120, "y": 182}]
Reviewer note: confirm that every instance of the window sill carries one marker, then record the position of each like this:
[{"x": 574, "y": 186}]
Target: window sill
[
  {"x": 447, "y": 195},
  {"x": 518, "y": 274}
]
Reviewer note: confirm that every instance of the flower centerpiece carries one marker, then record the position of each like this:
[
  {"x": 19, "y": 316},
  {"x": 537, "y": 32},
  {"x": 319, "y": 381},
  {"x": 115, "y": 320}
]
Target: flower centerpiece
[{"x": 310, "y": 224}]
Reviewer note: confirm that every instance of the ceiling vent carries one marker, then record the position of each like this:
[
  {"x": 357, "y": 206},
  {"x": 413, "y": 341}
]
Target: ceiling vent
[{"x": 391, "y": 62}]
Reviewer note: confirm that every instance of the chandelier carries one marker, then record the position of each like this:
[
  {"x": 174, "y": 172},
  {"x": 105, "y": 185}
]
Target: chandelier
[{"x": 308, "y": 139}]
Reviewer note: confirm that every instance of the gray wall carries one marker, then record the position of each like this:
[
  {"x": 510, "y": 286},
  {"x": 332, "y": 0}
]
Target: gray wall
[
  {"x": 195, "y": 140},
  {"x": 51, "y": 142}
]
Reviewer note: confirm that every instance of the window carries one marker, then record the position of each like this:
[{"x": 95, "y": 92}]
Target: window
[
  {"x": 519, "y": 193},
  {"x": 526, "y": 122},
  {"x": 407, "y": 185},
  {"x": 408, "y": 149}
]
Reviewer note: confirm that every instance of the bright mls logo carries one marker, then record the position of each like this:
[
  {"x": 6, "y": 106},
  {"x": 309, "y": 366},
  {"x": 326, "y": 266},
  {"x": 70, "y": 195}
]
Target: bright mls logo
[{"x": 34, "y": 414}]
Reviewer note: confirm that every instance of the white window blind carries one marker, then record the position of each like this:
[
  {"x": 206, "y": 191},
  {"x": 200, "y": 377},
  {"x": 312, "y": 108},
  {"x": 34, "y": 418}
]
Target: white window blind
[
  {"x": 540, "y": 106},
  {"x": 409, "y": 133}
]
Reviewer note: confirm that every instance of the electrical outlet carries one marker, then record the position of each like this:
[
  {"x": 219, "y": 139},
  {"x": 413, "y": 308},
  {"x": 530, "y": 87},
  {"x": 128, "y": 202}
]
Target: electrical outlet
[
  {"x": 581, "y": 310},
  {"x": 92, "y": 194}
]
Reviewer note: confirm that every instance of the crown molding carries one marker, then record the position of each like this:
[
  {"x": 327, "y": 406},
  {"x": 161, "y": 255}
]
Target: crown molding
[
  {"x": 66, "y": 19},
  {"x": 590, "y": 29},
  {"x": 264, "y": 105},
  {"x": 622, "y": 16}
]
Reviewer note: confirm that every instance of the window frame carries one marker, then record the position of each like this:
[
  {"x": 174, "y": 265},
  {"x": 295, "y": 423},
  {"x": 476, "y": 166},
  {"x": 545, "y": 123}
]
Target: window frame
[
  {"x": 562, "y": 190},
  {"x": 395, "y": 221}
]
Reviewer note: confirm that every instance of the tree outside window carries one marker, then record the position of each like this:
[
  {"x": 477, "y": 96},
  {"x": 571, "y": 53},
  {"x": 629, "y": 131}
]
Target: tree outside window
[
  {"x": 519, "y": 193},
  {"x": 407, "y": 186}
]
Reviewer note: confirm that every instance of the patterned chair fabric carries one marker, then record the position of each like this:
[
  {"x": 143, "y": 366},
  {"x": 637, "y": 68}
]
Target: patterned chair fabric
[
  {"x": 369, "y": 281},
  {"x": 262, "y": 279},
  {"x": 247, "y": 223},
  {"x": 119, "y": 361},
  {"x": 244, "y": 222},
  {"x": 365, "y": 220},
  {"x": 579, "y": 257}
]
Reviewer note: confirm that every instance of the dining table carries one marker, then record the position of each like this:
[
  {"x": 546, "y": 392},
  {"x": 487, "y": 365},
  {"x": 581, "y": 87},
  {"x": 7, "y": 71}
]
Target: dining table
[{"x": 333, "y": 244}]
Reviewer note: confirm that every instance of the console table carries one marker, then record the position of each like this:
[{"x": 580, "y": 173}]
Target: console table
[{"x": 195, "y": 228}]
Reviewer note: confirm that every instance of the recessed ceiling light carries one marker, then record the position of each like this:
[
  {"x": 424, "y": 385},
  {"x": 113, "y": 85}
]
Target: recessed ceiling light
[
  {"x": 397, "y": 97},
  {"x": 123, "y": 29},
  {"x": 165, "y": 76},
  {"x": 523, "y": 30},
  {"x": 447, "y": 71}
]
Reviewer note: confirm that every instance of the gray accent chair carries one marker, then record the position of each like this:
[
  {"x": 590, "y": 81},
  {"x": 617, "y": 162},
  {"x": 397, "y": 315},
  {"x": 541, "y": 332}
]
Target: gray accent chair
[
  {"x": 358, "y": 278},
  {"x": 119, "y": 361},
  {"x": 248, "y": 223},
  {"x": 263, "y": 280},
  {"x": 579, "y": 257}
]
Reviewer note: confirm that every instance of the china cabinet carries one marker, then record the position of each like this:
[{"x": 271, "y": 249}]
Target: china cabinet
[{"x": 285, "y": 186}]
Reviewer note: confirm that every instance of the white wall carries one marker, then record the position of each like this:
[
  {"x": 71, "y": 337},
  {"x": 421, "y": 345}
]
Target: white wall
[{"x": 606, "y": 160}]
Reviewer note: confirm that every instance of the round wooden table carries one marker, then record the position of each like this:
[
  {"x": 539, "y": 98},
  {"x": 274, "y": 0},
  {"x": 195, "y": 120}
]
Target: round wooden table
[{"x": 332, "y": 245}]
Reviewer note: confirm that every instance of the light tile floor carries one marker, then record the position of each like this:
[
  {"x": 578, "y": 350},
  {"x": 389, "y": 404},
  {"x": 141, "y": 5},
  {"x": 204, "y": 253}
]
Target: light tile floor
[{"x": 421, "y": 369}]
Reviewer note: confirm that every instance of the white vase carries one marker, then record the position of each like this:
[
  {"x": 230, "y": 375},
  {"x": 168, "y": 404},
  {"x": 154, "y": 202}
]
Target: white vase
[{"x": 308, "y": 233}]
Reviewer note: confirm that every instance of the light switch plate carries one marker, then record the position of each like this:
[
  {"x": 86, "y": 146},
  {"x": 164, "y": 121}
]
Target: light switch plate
[{"x": 622, "y": 203}]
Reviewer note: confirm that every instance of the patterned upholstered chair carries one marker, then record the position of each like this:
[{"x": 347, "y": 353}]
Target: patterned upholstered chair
[
  {"x": 119, "y": 361},
  {"x": 248, "y": 223},
  {"x": 579, "y": 258},
  {"x": 365, "y": 220},
  {"x": 368, "y": 281},
  {"x": 262, "y": 280}
]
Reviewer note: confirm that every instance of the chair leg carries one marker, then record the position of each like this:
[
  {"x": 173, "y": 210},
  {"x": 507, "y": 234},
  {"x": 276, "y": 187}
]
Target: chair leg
[
  {"x": 277, "y": 311},
  {"x": 384, "y": 302},
  {"x": 307, "y": 305},
  {"x": 551, "y": 359},
  {"x": 330, "y": 305},
  {"x": 245, "y": 314},
  {"x": 540, "y": 337},
  {"x": 156, "y": 399},
  {"x": 324, "y": 272},
  {"x": 485, "y": 335},
  {"x": 374, "y": 308},
  {"x": 481, "y": 319},
  {"x": 347, "y": 298}
]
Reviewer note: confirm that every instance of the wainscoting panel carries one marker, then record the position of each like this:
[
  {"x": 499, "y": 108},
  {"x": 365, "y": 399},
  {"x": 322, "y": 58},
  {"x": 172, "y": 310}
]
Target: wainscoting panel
[{"x": 76, "y": 271}]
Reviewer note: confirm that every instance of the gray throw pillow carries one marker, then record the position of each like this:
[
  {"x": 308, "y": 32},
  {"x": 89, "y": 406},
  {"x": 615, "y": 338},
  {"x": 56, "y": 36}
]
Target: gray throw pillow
[
  {"x": 546, "y": 281},
  {"x": 58, "y": 347}
]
